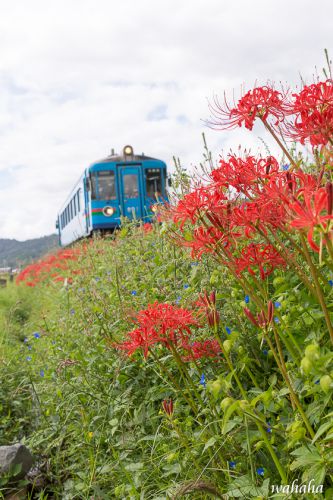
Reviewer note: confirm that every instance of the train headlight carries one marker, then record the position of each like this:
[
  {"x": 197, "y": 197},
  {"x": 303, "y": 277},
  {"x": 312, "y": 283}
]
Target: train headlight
[
  {"x": 108, "y": 211},
  {"x": 128, "y": 151}
]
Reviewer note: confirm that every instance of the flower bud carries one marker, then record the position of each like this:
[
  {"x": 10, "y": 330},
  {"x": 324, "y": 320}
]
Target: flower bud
[
  {"x": 168, "y": 406},
  {"x": 326, "y": 383},
  {"x": 270, "y": 311},
  {"x": 312, "y": 352},
  {"x": 225, "y": 403},
  {"x": 306, "y": 366},
  {"x": 250, "y": 316}
]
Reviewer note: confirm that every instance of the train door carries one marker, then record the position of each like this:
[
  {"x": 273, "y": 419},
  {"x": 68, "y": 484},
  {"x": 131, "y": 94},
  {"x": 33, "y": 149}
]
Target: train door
[{"x": 131, "y": 199}]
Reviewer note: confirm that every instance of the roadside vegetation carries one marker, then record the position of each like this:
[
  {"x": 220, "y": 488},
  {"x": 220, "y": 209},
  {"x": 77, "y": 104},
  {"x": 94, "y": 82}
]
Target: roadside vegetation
[{"x": 192, "y": 357}]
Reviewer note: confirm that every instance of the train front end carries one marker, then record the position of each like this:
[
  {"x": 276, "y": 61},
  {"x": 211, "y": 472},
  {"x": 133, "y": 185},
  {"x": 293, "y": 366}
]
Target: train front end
[{"x": 126, "y": 185}]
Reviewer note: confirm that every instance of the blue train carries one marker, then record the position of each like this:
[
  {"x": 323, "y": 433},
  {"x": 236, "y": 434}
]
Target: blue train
[{"x": 126, "y": 185}]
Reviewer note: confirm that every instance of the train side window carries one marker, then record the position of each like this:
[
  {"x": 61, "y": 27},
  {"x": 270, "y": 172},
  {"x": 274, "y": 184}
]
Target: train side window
[
  {"x": 106, "y": 185},
  {"x": 153, "y": 182},
  {"x": 74, "y": 203},
  {"x": 78, "y": 201},
  {"x": 71, "y": 209}
]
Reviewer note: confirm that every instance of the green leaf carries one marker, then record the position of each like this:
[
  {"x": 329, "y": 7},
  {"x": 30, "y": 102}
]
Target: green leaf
[
  {"x": 209, "y": 443},
  {"x": 243, "y": 487},
  {"x": 134, "y": 467},
  {"x": 228, "y": 413},
  {"x": 322, "y": 429},
  {"x": 305, "y": 457}
]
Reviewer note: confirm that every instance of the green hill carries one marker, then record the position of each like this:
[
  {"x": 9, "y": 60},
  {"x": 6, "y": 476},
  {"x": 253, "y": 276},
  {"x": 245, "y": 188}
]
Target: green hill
[{"x": 15, "y": 253}]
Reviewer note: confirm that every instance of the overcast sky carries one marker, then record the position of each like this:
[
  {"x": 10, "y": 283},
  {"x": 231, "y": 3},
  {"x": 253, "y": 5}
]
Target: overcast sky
[{"x": 79, "y": 77}]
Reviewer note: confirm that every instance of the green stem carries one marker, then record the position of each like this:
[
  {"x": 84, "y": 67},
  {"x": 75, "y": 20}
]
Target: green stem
[
  {"x": 282, "y": 367},
  {"x": 284, "y": 149},
  {"x": 318, "y": 288},
  {"x": 189, "y": 400}
]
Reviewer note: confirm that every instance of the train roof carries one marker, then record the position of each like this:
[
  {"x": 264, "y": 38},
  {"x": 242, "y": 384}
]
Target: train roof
[{"x": 125, "y": 158}]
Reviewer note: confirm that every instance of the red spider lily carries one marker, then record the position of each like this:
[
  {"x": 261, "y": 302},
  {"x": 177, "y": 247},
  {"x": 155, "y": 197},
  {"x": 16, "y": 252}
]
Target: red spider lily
[
  {"x": 43, "y": 269},
  {"x": 313, "y": 108},
  {"x": 264, "y": 257},
  {"x": 159, "y": 323},
  {"x": 193, "y": 205},
  {"x": 167, "y": 405},
  {"x": 147, "y": 227},
  {"x": 207, "y": 241},
  {"x": 260, "y": 102},
  {"x": 138, "y": 339},
  {"x": 308, "y": 214},
  {"x": 207, "y": 303},
  {"x": 209, "y": 348},
  {"x": 244, "y": 174},
  {"x": 260, "y": 213}
]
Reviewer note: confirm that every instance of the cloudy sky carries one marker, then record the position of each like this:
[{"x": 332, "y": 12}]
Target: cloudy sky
[{"x": 79, "y": 77}]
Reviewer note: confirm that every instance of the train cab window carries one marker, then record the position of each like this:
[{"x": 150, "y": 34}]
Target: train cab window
[
  {"x": 103, "y": 185},
  {"x": 131, "y": 189},
  {"x": 153, "y": 182},
  {"x": 106, "y": 185}
]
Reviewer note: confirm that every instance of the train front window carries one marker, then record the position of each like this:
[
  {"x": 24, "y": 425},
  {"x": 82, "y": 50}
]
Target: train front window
[
  {"x": 103, "y": 185},
  {"x": 153, "y": 182},
  {"x": 131, "y": 189}
]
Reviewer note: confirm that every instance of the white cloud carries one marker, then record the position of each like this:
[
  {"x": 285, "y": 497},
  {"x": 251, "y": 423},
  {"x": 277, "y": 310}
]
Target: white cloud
[{"x": 80, "y": 77}]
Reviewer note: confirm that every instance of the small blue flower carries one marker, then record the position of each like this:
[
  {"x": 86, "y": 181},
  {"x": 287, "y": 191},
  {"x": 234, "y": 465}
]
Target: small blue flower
[
  {"x": 178, "y": 299},
  {"x": 29, "y": 347},
  {"x": 330, "y": 282},
  {"x": 26, "y": 340},
  {"x": 53, "y": 342},
  {"x": 97, "y": 279},
  {"x": 269, "y": 428},
  {"x": 317, "y": 382},
  {"x": 194, "y": 263},
  {"x": 134, "y": 292},
  {"x": 265, "y": 352},
  {"x": 186, "y": 286},
  {"x": 277, "y": 304},
  {"x": 203, "y": 380},
  {"x": 232, "y": 465},
  {"x": 276, "y": 320},
  {"x": 37, "y": 335},
  {"x": 228, "y": 330},
  {"x": 260, "y": 471},
  {"x": 72, "y": 311},
  {"x": 108, "y": 273},
  {"x": 285, "y": 167},
  {"x": 28, "y": 358},
  {"x": 247, "y": 299},
  {"x": 41, "y": 373}
]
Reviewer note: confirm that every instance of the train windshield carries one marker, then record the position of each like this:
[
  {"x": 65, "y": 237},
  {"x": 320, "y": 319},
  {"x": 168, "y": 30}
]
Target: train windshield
[
  {"x": 153, "y": 182},
  {"x": 103, "y": 185}
]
